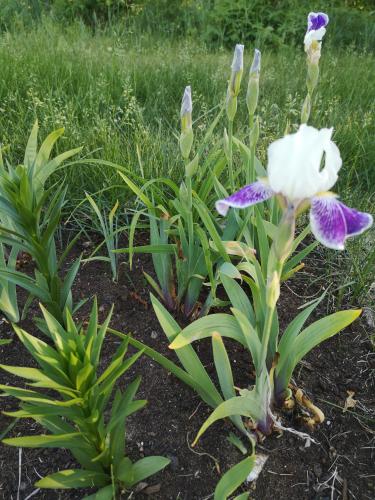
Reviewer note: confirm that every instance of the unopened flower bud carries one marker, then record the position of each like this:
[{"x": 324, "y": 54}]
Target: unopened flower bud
[
  {"x": 253, "y": 85},
  {"x": 186, "y": 137},
  {"x": 235, "y": 81},
  {"x": 237, "y": 70},
  {"x": 255, "y": 65},
  {"x": 186, "y": 109}
]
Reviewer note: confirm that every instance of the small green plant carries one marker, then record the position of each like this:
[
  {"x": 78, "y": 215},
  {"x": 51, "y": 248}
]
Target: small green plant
[
  {"x": 181, "y": 254},
  {"x": 110, "y": 231},
  {"x": 30, "y": 216},
  {"x": 83, "y": 417}
]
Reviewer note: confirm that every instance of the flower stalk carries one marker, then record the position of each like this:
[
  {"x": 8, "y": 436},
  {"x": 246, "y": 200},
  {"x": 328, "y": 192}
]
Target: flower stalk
[
  {"x": 279, "y": 253},
  {"x": 316, "y": 23},
  {"x": 252, "y": 96},
  {"x": 231, "y": 103},
  {"x": 186, "y": 191}
]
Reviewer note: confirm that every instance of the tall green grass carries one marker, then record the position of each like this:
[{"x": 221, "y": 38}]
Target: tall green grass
[
  {"x": 118, "y": 94},
  {"x": 273, "y": 23}
]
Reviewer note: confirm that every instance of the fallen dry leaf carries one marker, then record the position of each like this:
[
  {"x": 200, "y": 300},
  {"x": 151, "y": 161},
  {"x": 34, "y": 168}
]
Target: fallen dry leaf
[
  {"x": 141, "y": 486},
  {"x": 150, "y": 490},
  {"x": 260, "y": 461},
  {"x": 349, "y": 402}
]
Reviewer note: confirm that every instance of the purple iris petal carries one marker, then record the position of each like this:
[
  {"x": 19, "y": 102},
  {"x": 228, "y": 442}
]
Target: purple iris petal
[
  {"x": 327, "y": 222},
  {"x": 356, "y": 222},
  {"x": 317, "y": 20},
  {"x": 245, "y": 197},
  {"x": 332, "y": 221}
]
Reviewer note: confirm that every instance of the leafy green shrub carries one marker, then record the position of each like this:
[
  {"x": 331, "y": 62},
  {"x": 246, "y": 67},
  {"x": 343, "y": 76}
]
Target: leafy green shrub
[
  {"x": 89, "y": 10},
  {"x": 278, "y": 22},
  {"x": 170, "y": 17},
  {"x": 108, "y": 226},
  {"x": 217, "y": 22},
  {"x": 24, "y": 12},
  {"x": 77, "y": 418},
  {"x": 30, "y": 216}
]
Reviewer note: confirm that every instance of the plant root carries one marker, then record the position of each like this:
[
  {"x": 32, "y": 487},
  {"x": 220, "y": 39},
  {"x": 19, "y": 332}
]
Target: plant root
[{"x": 316, "y": 416}]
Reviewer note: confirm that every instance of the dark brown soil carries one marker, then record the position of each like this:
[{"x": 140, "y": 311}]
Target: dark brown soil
[{"x": 340, "y": 466}]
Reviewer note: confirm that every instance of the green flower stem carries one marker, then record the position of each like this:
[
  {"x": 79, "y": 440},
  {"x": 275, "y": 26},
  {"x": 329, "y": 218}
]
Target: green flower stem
[
  {"x": 266, "y": 334},
  {"x": 280, "y": 250},
  {"x": 189, "y": 215},
  {"x": 230, "y": 154},
  {"x": 250, "y": 173},
  {"x": 306, "y": 108},
  {"x": 272, "y": 280},
  {"x": 311, "y": 83},
  {"x": 250, "y": 177}
]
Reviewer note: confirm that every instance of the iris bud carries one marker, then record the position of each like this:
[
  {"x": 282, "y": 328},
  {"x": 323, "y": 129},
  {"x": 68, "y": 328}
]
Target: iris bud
[
  {"x": 235, "y": 82},
  {"x": 237, "y": 70},
  {"x": 253, "y": 85},
  {"x": 187, "y": 136}
]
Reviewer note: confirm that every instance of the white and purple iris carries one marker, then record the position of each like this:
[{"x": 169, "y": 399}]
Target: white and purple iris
[
  {"x": 316, "y": 28},
  {"x": 303, "y": 167}
]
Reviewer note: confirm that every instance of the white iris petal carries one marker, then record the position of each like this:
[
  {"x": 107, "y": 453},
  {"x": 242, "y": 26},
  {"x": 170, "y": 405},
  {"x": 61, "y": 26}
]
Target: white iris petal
[
  {"x": 294, "y": 163},
  {"x": 314, "y": 35}
]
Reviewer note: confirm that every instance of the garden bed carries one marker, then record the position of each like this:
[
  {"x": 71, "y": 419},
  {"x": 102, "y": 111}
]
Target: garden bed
[{"x": 339, "y": 466}]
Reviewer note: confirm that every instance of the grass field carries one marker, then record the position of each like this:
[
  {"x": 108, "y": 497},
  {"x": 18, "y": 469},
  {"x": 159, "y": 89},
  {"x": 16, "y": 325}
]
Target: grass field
[{"x": 118, "y": 94}]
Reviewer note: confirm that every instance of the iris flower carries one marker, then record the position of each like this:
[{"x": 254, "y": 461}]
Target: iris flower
[
  {"x": 316, "y": 28},
  {"x": 302, "y": 168}
]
